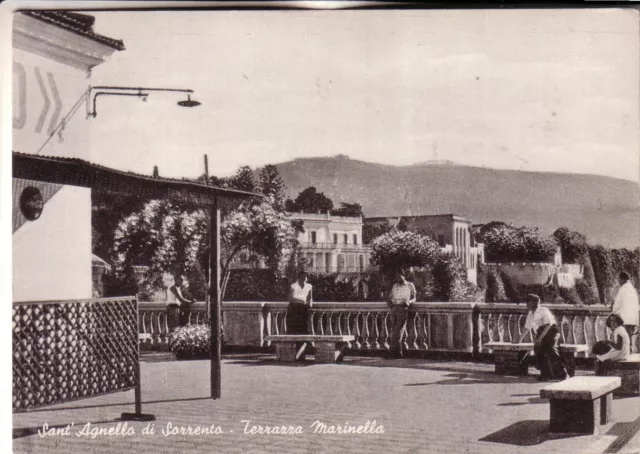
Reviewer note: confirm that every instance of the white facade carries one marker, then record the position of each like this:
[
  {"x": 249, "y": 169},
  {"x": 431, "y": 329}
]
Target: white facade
[
  {"x": 333, "y": 244},
  {"x": 52, "y": 256}
]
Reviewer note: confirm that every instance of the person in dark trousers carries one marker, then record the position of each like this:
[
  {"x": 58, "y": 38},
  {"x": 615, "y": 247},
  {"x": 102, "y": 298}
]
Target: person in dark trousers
[
  {"x": 401, "y": 297},
  {"x": 545, "y": 334},
  {"x": 178, "y": 306},
  {"x": 300, "y": 300}
]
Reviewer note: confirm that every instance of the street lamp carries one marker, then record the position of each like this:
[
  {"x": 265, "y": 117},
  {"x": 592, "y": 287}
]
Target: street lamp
[{"x": 140, "y": 92}]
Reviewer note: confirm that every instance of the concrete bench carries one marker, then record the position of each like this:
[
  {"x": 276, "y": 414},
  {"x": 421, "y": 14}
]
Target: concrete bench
[
  {"x": 293, "y": 347},
  {"x": 628, "y": 371},
  {"x": 580, "y": 404},
  {"x": 509, "y": 357}
]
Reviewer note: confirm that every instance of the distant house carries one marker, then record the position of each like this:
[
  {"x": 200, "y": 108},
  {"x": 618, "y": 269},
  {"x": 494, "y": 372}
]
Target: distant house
[
  {"x": 330, "y": 244},
  {"x": 451, "y": 232},
  {"x": 333, "y": 244}
]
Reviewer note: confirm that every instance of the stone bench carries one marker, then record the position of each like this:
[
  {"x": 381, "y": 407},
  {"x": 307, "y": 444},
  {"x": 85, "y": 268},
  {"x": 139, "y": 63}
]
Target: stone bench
[
  {"x": 628, "y": 371},
  {"x": 293, "y": 347},
  {"x": 509, "y": 356},
  {"x": 580, "y": 404}
]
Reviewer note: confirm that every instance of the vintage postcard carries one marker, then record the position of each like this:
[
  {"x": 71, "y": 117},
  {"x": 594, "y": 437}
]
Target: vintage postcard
[{"x": 292, "y": 227}]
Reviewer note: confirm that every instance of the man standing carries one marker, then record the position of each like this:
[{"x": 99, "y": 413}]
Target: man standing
[
  {"x": 401, "y": 297},
  {"x": 545, "y": 334},
  {"x": 627, "y": 307},
  {"x": 178, "y": 307}
]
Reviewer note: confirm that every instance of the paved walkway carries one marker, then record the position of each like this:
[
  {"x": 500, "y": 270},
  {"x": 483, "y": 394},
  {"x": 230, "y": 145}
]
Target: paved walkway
[{"x": 422, "y": 407}]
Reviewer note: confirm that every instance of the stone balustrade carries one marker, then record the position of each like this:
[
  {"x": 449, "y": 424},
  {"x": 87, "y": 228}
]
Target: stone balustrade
[
  {"x": 439, "y": 327},
  {"x": 503, "y": 322},
  {"x": 430, "y": 326}
]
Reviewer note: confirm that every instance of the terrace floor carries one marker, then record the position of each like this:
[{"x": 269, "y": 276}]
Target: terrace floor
[{"x": 423, "y": 406}]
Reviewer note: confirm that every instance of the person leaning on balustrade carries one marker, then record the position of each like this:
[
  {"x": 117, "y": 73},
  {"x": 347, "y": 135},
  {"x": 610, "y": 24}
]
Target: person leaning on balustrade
[
  {"x": 178, "y": 307},
  {"x": 401, "y": 297}
]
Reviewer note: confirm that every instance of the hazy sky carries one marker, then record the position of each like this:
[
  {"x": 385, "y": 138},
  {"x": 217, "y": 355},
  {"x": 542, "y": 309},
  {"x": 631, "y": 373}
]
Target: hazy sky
[{"x": 553, "y": 90}]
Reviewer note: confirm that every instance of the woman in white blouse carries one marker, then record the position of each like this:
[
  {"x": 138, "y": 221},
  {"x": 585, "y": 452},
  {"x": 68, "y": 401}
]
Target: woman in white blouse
[
  {"x": 620, "y": 342},
  {"x": 300, "y": 300}
]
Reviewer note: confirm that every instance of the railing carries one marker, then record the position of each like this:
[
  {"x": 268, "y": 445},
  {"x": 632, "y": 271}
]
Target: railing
[
  {"x": 431, "y": 326},
  {"x": 444, "y": 327},
  {"x": 345, "y": 246},
  {"x": 153, "y": 327},
  {"x": 578, "y": 324},
  {"x": 338, "y": 269},
  {"x": 68, "y": 350}
]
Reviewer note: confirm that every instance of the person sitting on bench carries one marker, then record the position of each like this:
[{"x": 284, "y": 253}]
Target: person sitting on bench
[
  {"x": 545, "y": 342},
  {"x": 619, "y": 347}
]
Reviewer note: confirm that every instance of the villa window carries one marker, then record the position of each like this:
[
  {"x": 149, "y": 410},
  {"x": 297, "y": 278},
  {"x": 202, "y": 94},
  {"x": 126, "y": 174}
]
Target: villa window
[
  {"x": 355, "y": 238},
  {"x": 335, "y": 238},
  {"x": 313, "y": 237},
  {"x": 345, "y": 237}
]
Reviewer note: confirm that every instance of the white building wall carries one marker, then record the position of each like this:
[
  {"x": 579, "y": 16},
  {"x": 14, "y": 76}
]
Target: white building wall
[{"x": 52, "y": 255}]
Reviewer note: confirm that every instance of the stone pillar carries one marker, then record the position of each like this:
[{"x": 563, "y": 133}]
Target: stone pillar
[{"x": 334, "y": 262}]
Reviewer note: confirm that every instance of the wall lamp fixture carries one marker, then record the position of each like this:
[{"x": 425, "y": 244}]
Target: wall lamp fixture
[{"x": 140, "y": 92}]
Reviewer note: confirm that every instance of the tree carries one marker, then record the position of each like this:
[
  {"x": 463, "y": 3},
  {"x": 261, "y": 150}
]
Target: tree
[
  {"x": 243, "y": 180},
  {"x": 107, "y": 210},
  {"x": 504, "y": 243},
  {"x": 372, "y": 231},
  {"x": 169, "y": 238},
  {"x": 310, "y": 201},
  {"x": 262, "y": 229},
  {"x": 572, "y": 244},
  {"x": 166, "y": 237},
  {"x": 602, "y": 262},
  {"x": 348, "y": 209},
  {"x": 396, "y": 250},
  {"x": 272, "y": 185}
]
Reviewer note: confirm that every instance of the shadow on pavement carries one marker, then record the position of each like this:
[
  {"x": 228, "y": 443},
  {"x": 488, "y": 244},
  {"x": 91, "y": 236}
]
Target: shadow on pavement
[
  {"x": 467, "y": 378},
  {"x": 625, "y": 431},
  {"x": 118, "y": 404},
  {"x": 530, "y": 400},
  {"x": 525, "y": 433}
]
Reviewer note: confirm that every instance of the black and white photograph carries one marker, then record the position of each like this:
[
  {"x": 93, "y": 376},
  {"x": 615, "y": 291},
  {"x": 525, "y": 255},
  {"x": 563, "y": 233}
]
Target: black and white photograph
[{"x": 322, "y": 227}]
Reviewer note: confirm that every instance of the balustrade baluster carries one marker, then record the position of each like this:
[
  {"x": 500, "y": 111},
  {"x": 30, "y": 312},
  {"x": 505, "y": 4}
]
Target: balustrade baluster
[
  {"x": 501, "y": 327},
  {"x": 589, "y": 330},
  {"x": 601, "y": 328},
  {"x": 492, "y": 331},
  {"x": 366, "y": 331},
  {"x": 566, "y": 330},
  {"x": 414, "y": 326},
  {"x": 355, "y": 330},
  {"x": 578, "y": 330},
  {"x": 379, "y": 324}
]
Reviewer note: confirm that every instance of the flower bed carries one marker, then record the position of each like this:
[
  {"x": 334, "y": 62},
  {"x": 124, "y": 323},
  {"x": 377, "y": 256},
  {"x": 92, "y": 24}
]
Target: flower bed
[{"x": 191, "y": 342}]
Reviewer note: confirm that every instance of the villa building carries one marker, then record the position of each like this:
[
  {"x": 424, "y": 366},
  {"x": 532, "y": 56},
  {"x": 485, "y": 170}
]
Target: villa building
[
  {"x": 333, "y": 244},
  {"x": 330, "y": 244}
]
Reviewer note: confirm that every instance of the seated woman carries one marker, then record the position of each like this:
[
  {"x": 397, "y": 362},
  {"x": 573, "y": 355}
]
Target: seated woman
[{"x": 619, "y": 345}]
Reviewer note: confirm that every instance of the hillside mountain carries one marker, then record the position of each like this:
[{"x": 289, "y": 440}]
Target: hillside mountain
[{"x": 605, "y": 209}]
